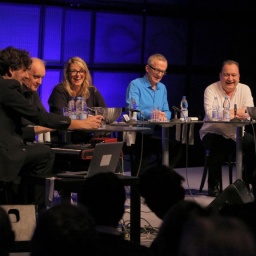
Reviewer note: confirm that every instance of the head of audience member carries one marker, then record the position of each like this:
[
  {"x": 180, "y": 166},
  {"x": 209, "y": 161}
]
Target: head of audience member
[
  {"x": 169, "y": 235},
  {"x": 156, "y": 68},
  {"x": 161, "y": 187},
  {"x": 7, "y": 235},
  {"x": 14, "y": 63},
  {"x": 222, "y": 236},
  {"x": 64, "y": 229},
  {"x": 77, "y": 78},
  {"x": 104, "y": 196},
  {"x": 229, "y": 75},
  {"x": 36, "y": 74}
]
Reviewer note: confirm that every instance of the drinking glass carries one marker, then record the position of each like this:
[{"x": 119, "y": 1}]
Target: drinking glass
[
  {"x": 154, "y": 115},
  {"x": 102, "y": 112}
]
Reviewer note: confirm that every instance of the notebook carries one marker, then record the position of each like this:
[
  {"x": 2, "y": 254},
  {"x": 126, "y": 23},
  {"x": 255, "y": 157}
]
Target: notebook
[{"x": 104, "y": 159}]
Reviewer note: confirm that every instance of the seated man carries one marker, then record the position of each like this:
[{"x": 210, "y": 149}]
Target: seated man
[
  {"x": 30, "y": 86},
  {"x": 149, "y": 93},
  {"x": 219, "y": 138}
]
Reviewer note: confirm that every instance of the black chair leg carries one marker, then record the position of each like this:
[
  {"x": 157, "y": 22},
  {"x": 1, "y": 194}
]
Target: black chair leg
[
  {"x": 205, "y": 171},
  {"x": 230, "y": 169}
]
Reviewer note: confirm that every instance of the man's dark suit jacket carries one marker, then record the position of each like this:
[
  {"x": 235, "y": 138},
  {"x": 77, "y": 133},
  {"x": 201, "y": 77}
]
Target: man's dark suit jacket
[
  {"x": 14, "y": 106},
  {"x": 34, "y": 99}
]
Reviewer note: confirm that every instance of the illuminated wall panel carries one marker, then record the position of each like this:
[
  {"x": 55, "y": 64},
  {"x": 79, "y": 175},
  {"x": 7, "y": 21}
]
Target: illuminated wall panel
[
  {"x": 20, "y": 27},
  {"x": 51, "y": 79},
  {"x": 112, "y": 86},
  {"x": 52, "y": 43},
  {"x": 77, "y": 34},
  {"x": 118, "y": 38}
]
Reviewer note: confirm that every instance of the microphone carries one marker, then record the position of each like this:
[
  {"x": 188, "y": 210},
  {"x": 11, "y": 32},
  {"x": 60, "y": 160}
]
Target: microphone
[
  {"x": 235, "y": 119},
  {"x": 176, "y": 109},
  {"x": 175, "y": 119}
]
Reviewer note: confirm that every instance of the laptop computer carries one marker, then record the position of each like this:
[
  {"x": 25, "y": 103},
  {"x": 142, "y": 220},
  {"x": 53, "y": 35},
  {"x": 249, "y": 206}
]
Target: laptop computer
[{"x": 104, "y": 159}]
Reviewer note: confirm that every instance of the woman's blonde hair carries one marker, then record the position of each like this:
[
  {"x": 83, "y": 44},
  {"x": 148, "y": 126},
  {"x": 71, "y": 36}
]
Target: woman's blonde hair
[{"x": 84, "y": 91}]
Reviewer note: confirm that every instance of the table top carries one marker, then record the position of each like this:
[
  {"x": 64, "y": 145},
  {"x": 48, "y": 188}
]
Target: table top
[
  {"x": 173, "y": 122},
  {"x": 116, "y": 128}
]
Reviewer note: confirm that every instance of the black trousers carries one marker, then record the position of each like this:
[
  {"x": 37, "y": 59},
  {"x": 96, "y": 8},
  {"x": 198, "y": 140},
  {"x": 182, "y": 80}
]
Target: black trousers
[
  {"x": 220, "y": 147},
  {"x": 39, "y": 160}
]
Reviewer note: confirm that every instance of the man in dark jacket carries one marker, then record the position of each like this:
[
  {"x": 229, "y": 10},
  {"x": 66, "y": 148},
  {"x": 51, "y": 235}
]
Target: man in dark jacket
[{"x": 30, "y": 88}]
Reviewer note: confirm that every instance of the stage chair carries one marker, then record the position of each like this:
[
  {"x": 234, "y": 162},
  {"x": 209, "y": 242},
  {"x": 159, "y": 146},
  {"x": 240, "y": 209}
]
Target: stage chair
[{"x": 230, "y": 162}]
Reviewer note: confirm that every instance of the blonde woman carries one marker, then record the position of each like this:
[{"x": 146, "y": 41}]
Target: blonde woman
[{"x": 77, "y": 82}]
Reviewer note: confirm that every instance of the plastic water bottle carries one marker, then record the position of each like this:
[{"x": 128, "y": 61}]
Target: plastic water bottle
[
  {"x": 72, "y": 108},
  {"x": 215, "y": 109},
  {"x": 83, "y": 114},
  {"x": 71, "y": 103},
  {"x": 184, "y": 108},
  {"x": 80, "y": 105},
  {"x": 226, "y": 109}
]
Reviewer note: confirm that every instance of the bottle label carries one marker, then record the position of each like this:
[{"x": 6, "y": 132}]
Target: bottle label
[
  {"x": 184, "y": 114},
  {"x": 215, "y": 115},
  {"x": 226, "y": 115}
]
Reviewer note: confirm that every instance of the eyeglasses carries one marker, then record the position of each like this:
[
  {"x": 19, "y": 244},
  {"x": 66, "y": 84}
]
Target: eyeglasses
[
  {"x": 157, "y": 71},
  {"x": 75, "y": 72}
]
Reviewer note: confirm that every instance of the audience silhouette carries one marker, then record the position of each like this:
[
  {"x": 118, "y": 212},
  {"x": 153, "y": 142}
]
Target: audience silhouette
[
  {"x": 211, "y": 236},
  {"x": 7, "y": 235},
  {"x": 64, "y": 230},
  {"x": 245, "y": 212},
  {"x": 161, "y": 188},
  {"x": 104, "y": 196},
  {"x": 168, "y": 238}
]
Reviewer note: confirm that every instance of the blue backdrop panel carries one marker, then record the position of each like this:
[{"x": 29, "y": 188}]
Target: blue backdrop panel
[
  {"x": 118, "y": 38},
  {"x": 52, "y": 44},
  {"x": 112, "y": 86},
  {"x": 168, "y": 37},
  {"x": 20, "y": 27},
  {"x": 77, "y": 34},
  {"x": 51, "y": 79}
]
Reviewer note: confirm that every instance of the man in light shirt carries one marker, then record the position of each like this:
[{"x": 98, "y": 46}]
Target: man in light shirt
[{"x": 220, "y": 138}]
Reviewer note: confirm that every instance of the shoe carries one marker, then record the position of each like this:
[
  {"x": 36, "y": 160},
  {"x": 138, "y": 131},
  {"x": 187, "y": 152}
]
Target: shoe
[{"x": 213, "y": 191}]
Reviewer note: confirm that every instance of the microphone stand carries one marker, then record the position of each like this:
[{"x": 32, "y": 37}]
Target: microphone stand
[
  {"x": 132, "y": 121},
  {"x": 176, "y": 119}
]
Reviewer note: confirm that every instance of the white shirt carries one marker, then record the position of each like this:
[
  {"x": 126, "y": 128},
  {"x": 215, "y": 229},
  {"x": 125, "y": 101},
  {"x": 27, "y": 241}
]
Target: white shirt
[{"x": 242, "y": 97}]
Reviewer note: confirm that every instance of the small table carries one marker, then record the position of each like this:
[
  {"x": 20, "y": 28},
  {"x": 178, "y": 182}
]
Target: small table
[
  {"x": 68, "y": 185},
  {"x": 239, "y": 137}
]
